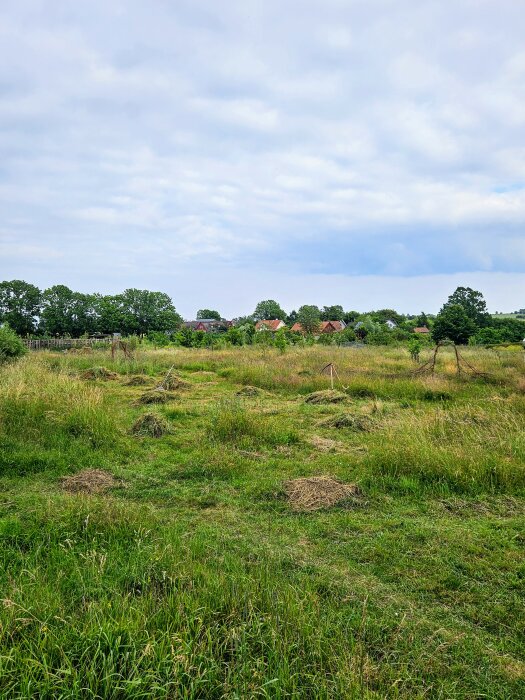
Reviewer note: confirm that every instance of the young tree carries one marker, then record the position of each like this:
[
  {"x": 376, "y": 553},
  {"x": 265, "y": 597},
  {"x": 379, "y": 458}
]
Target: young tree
[
  {"x": 268, "y": 310},
  {"x": 453, "y": 323},
  {"x": 19, "y": 305},
  {"x": 473, "y": 303},
  {"x": 309, "y": 317},
  {"x": 208, "y": 313}
]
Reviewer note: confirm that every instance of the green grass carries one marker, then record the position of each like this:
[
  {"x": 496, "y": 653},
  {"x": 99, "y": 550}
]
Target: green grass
[{"x": 196, "y": 580}]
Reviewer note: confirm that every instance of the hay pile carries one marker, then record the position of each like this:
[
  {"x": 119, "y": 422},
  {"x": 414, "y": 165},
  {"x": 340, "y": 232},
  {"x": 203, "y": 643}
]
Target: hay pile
[
  {"x": 98, "y": 373},
  {"x": 151, "y": 425},
  {"x": 325, "y": 444},
  {"x": 316, "y": 492},
  {"x": 173, "y": 382},
  {"x": 249, "y": 391},
  {"x": 89, "y": 481},
  {"x": 326, "y": 396},
  {"x": 360, "y": 424},
  {"x": 157, "y": 395},
  {"x": 138, "y": 380}
]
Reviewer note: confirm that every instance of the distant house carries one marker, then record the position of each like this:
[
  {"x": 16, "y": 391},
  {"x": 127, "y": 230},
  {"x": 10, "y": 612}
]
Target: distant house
[
  {"x": 209, "y": 325},
  {"x": 270, "y": 325},
  {"x": 391, "y": 324},
  {"x": 324, "y": 327},
  {"x": 422, "y": 330}
]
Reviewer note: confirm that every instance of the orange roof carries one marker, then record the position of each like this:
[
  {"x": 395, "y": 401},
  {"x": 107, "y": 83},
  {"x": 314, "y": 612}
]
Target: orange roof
[
  {"x": 272, "y": 325},
  {"x": 421, "y": 329}
]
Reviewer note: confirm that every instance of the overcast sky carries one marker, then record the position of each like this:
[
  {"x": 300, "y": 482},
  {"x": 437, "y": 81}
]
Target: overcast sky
[{"x": 363, "y": 152}]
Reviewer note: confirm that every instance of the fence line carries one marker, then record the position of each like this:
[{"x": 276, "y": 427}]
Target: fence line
[{"x": 63, "y": 343}]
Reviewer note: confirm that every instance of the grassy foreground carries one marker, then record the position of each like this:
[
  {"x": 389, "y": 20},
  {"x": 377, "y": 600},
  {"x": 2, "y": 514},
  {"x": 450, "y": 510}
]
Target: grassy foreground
[{"x": 195, "y": 579}]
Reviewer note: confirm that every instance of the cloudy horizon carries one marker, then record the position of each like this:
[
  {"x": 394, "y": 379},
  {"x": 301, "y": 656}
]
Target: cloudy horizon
[{"x": 369, "y": 154}]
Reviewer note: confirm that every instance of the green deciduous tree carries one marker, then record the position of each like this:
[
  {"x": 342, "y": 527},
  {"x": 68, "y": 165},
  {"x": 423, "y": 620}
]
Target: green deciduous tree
[
  {"x": 65, "y": 312},
  {"x": 453, "y": 323},
  {"x": 332, "y": 313},
  {"x": 268, "y": 310},
  {"x": 19, "y": 305},
  {"x": 208, "y": 313},
  {"x": 142, "y": 311},
  {"x": 309, "y": 317},
  {"x": 473, "y": 303}
]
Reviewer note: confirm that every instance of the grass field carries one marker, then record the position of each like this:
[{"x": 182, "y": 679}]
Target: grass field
[{"x": 194, "y": 578}]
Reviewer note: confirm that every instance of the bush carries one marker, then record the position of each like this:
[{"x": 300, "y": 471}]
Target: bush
[{"x": 11, "y": 346}]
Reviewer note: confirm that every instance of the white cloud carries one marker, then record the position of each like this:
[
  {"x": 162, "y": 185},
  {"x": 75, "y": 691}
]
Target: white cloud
[{"x": 251, "y": 132}]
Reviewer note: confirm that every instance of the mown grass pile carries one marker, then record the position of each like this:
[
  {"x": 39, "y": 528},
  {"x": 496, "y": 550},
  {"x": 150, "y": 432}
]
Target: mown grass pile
[{"x": 181, "y": 567}]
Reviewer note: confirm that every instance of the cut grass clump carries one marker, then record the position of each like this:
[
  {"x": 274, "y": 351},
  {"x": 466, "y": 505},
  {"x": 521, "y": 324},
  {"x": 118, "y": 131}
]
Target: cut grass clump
[
  {"x": 155, "y": 396},
  {"x": 317, "y": 492},
  {"x": 326, "y": 396},
  {"x": 151, "y": 425},
  {"x": 232, "y": 423},
  {"x": 325, "y": 444},
  {"x": 249, "y": 391},
  {"x": 138, "y": 380},
  {"x": 98, "y": 373},
  {"x": 89, "y": 481},
  {"x": 360, "y": 424},
  {"x": 173, "y": 382}
]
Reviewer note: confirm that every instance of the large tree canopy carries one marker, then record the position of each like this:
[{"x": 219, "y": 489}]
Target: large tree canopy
[
  {"x": 268, "y": 310},
  {"x": 19, "y": 305},
  {"x": 142, "y": 311},
  {"x": 473, "y": 303},
  {"x": 309, "y": 317},
  {"x": 208, "y": 313},
  {"x": 65, "y": 312},
  {"x": 332, "y": 313}
]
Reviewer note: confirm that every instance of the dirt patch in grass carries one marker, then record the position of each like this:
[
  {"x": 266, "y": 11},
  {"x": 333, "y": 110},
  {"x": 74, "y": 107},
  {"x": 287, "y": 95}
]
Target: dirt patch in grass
[
  {"x": 89, "y": 481},
  {"x": 250, "y": 391},
  {"x": 98, "y": 373},
  {"x": 360, "y": 424},
  {"x": 326, "y": 396},
  {"x": 138, "y": 380},
  {"x": 316, "y": 492},
  {"x": 155, "y": 396},
  {"x": 151, "y": 425}
]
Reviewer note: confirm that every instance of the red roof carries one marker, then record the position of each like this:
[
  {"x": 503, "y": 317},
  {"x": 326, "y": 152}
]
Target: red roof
[
  {"x": 271, "y": 325},
  {"x": 324, "y": 327},
  {"x": 421, "y": 329}
]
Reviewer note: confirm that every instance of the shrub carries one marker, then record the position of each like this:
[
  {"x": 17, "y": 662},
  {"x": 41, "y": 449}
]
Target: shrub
[{"x": 11, "y": 346}]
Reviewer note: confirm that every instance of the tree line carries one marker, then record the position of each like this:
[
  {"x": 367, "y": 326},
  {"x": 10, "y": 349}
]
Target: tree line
[{"x": 60, "y": 311}]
